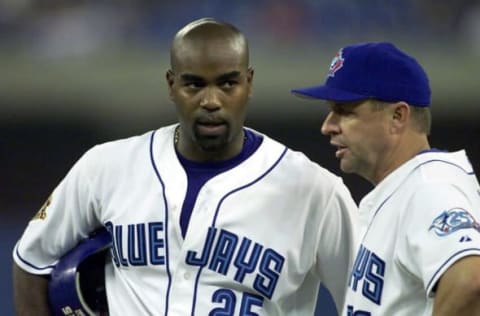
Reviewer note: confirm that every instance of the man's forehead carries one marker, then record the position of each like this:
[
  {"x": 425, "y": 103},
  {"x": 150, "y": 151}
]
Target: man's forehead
[
  {"x": 209, "y": 76},
  {"x": 212, "y": 62},
  {"x": 209, "y": 49},
  {"x": 346, "y": 104},
  {"x": 211, "y": 52}
]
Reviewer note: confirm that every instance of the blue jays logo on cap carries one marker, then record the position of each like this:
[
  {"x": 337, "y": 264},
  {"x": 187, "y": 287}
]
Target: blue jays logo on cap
[
  {"x": 377, "y": 70},
  {"x": 453, "y": 220},
  {"x": 337, "y": 63}
]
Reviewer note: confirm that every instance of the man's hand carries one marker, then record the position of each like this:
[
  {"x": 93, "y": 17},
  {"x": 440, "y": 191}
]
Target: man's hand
[{"x": 30, "y": 293}]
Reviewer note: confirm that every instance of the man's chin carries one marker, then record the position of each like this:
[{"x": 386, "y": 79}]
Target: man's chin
[
  {"x": 345, "y": 166},
  {"x": 212, "y": 144}
]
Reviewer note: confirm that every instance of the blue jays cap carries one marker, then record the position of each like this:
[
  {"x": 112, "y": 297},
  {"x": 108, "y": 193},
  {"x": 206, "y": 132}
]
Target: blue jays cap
[{"x": 372, "y": 70}]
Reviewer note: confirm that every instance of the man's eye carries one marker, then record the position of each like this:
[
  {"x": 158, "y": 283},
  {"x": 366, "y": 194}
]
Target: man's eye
[
  {"x": 342, "y": 111},
  {"x": 194, "y": 84},
  {"x": 228, "y": 83}
]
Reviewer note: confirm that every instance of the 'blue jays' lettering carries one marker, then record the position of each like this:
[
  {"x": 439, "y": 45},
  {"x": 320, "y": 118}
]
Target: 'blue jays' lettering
[
  {"x": 367, "y": 273},
  {"x": 229, "y": 252},
  {"x": 138, "y": 237},
  {"x": 145, "y": 245}
]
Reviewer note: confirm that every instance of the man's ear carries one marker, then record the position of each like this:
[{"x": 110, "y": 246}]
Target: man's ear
[
  {"x": 250, "y": 73},
  {"x": 170, "y": 76},
  {"x": 400, "y": 116}
]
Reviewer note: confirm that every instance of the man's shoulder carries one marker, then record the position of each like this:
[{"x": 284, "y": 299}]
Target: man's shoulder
[
  {"x": 133, "y": 141},
  {"x": 125, "y": 149},
  {"x": 299, "y": 163},
  {"x": 444, "y": 166},
  {"x": 439, "y": 175}
]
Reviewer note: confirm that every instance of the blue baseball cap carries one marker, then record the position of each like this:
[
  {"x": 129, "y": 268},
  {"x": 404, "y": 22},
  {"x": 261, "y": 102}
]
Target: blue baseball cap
[{"x": 372, "y": 71}]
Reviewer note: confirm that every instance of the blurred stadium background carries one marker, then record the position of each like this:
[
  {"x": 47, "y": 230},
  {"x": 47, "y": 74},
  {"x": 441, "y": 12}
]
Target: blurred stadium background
[{"x": 77, "y": 73}]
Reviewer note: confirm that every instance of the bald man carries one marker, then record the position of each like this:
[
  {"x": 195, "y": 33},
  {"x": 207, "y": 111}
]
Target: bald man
[{"x": 203, "y": 217}]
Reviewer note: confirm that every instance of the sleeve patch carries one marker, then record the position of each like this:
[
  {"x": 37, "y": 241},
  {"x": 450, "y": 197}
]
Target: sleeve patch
[
  {"x": 453, "y": 220},
  {"x": 42, "y": 213}
]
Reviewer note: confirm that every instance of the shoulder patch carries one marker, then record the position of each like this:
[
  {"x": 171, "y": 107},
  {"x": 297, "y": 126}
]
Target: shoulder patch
[
  {"x": 42, "y": 213},
  {"x": 453, "y": 220}
]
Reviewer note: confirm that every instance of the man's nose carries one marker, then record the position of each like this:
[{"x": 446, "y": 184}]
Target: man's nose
[
  {"x": 330, "y": 125},
  {"x": 210, "y": 99}
]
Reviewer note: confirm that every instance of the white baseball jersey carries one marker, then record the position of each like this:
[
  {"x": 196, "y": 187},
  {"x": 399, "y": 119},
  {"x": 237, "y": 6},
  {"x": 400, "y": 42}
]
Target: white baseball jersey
[
  {"x": 260, "y": 239},
  {"x": 416, "y": 223}
]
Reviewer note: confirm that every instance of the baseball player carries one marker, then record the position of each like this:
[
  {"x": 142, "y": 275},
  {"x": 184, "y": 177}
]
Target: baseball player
[
  {"x": 420, "y": 231},
  {"x": 206, "y": 216}
]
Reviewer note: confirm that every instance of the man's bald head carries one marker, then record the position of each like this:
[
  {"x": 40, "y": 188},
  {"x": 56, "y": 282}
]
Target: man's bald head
[{"x": 207, "y": 33}]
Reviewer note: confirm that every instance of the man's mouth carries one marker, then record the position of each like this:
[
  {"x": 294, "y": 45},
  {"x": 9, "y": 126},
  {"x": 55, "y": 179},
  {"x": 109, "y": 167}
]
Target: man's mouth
[
  {"x": 341, "y": 149},
  {"x": 211, "y": 128},
  {"x": 340, "y": 152}
]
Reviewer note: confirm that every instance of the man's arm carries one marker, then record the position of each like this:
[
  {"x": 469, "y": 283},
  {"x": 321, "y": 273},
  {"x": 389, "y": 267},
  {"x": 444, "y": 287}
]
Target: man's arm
[
  {"x": 458, "y": 291},
  {"x": 30, "y": 293}
]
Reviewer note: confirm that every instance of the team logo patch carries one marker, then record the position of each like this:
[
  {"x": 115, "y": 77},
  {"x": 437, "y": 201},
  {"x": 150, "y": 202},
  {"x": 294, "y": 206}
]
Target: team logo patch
[
  {"x": 42, "y": 213},
  {"x": 453, "y": 220},
  {"x": 336, "y": 64}
]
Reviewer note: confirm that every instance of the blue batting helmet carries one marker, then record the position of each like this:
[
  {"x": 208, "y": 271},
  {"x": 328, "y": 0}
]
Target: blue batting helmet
[{"x": 77, "y": 283}]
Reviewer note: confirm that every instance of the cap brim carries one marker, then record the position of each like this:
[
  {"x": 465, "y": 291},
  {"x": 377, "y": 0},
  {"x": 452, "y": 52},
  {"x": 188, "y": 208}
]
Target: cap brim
[{"x": 328, "y": 93}]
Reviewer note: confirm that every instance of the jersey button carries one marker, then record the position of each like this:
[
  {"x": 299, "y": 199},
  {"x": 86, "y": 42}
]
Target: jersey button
[{"x": 186, "y": 275}]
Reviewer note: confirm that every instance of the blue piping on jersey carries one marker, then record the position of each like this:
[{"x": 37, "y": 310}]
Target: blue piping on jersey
[
  {"x": 447, "y": 261},
  {"x": 455, "y": 254},
  {"x": 30, "y": 264},
  {"x": 218, "y": 209},
  {"x": 447, "y": 162},
  {"x": 167, "y": 262},
  {"x": 378, "y": 209},
  {"x": 432, "y": 150},
  {"x": 423, "y": 163}
]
